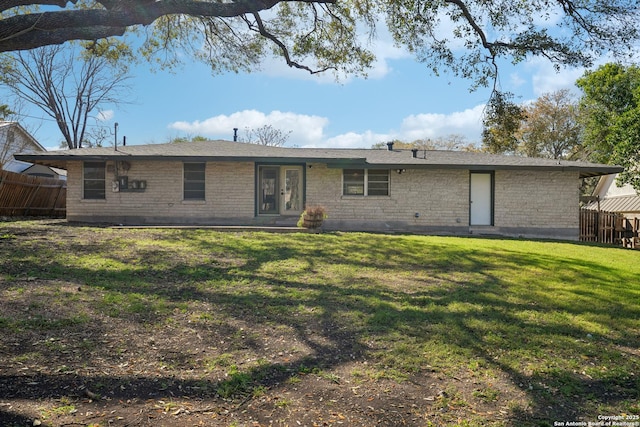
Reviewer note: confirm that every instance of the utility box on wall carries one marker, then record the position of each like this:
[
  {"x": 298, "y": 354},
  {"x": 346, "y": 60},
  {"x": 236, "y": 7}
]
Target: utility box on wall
[{"x": 124, "y": 184}]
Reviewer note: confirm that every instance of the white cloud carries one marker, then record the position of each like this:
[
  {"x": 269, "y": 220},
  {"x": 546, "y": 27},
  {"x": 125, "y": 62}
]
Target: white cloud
[
  {"x": 356, "y": 140},
  {"x": 467, "y": 123},
  {"x": 105, "y": 115},
  {"x": 309, "y": 131},
  {"x": 304, "y": 129},
  {"x": 547, "y": 79},
  {"x": 516, "y": 80}
]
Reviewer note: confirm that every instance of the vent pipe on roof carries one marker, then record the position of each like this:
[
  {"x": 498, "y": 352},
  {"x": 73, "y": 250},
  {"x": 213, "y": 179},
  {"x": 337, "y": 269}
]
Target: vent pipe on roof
[
  {"x": 124, "y": 141},
  {"x": 115, "y": 136},
  {"x": 414, "y": 152},
  {"x": 390, "y": 146},
  {"x": 235, "y": 134}
]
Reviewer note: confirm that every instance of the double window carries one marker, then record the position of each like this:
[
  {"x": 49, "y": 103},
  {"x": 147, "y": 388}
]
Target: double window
[
  {"x": 365, "y": 182},
  {"x": 194, "y": 181},
  {"x": 93, "y": 180}
]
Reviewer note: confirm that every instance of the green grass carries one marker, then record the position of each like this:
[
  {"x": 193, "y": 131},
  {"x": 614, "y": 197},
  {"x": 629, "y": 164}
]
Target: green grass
[{"x": 560, "y": 321}]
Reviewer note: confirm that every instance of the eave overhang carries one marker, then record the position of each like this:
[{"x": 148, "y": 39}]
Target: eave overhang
[
  {"x": 225, "y": 151},
  {"x": 60, "y": 161},
  {"x": 585, "y": 171}
]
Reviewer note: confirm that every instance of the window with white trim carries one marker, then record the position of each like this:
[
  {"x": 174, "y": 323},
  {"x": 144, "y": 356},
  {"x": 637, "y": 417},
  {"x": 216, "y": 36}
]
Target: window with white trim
[
  {"x": 94, "y": 180},
  {"x": 365, "y": 182},
  {"x": 194, "y": 181}
]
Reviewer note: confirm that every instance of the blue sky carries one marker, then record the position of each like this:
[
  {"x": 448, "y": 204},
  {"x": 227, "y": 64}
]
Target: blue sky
[{"x": 401, "y": 99}]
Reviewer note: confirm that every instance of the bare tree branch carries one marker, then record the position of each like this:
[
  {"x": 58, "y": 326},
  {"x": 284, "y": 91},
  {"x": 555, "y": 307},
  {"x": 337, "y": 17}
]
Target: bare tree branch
[{"x": 66, "y": 89}]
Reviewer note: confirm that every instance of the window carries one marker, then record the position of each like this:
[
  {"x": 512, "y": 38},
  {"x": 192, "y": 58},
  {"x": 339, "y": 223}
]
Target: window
[
  {"x": 94, "y": 180},
  {"x": 194, "y": 180},
  {"x": 365, "y": 182},
  {"x": 378, "y": 182},
  {"x": 353, "y": 182}
]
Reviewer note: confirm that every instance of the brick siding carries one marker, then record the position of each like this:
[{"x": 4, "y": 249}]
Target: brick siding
[
  {"x": 439, "y": 197},
  {"x": 537, "y": 199},
  {"x": 228, "y": 193},
  {"x": 527, "y": 203}
]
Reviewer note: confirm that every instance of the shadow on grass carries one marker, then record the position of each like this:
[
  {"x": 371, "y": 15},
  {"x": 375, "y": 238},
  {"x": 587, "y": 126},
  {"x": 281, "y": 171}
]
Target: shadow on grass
[
  {"x": 454, "y": 303},
  {"x": 10, "y": 419}
]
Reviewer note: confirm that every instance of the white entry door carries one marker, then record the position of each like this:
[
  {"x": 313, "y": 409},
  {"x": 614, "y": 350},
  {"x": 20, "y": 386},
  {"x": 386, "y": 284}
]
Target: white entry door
[{"x": 481, "y": 199}]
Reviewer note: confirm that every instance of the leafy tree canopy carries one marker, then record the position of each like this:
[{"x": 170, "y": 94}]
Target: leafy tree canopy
[
  {"x": 626, "y": 134},
  {"x": 608, "y": 92},
  {"x": 611, "y": 118},
  {"x": 548, "y": 127},
  {"x": 465, "y": 36},
  {"x": 551, "y": 128},
  {"x": 502, "y": 120}
]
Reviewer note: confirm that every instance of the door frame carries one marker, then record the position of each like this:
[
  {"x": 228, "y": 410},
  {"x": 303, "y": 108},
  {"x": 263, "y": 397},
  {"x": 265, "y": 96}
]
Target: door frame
[
  {"x": 270, "y": 199},
  {"x": 280, "y": 190},
  {"x": 490, "y": 194}
]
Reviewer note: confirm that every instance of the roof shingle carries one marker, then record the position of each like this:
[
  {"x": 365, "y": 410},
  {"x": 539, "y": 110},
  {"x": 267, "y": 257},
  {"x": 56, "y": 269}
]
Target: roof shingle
[{"x": 334, "y": 157}]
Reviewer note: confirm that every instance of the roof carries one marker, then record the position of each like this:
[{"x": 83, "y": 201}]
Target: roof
[
  {"x": 625, "y": 204},
  {"x": 333, "y": 157},
  {"x": 24, "y": 132}
]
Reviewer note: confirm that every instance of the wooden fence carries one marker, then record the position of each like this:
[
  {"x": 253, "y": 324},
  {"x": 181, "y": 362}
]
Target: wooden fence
[
  {"x": 22, "y": 195},
  {"x": 609, "y": 227}
]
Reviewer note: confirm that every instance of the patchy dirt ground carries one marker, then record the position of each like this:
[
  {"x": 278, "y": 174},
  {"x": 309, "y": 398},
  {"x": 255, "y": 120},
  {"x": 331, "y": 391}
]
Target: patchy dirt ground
[{"x": 69, "y": 359}]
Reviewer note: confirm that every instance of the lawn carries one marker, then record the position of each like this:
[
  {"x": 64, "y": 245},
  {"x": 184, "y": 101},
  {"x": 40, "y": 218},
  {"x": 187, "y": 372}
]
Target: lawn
[{"x": 184, "y": 327}]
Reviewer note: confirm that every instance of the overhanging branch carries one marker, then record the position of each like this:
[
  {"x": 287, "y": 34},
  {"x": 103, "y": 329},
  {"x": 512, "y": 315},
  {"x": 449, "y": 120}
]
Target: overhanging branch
[
  {"x": 28, "y": 31},
  {"x": 285, "y": 52}
]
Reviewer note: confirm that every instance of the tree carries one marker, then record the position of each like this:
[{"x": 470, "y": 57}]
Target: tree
[
  {"x": 547, "y": 128},
  {"x": 183, "y": 139},
  {"x": 68, "y": 84},
  {"x": 608, "y": 93},
  {"x": 451, "y": 142},
  {"x": 551, "y": 128},
  {"x": 610, "y": 113},
  {"x": 320, "y": 35},
  {"x": 626, "y": 134},
  {"x": 5, "y": 111},
  {"x": 266, "y": 135},
  {"x": 502, "y": 121}
]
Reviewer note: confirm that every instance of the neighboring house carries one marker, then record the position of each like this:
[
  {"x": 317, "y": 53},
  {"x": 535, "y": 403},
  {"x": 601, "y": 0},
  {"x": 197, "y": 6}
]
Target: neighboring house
[
  {"x": 15, "y": 139},
  {"x": 231, "y": 183},
  {"x": 610, "y": 197}
]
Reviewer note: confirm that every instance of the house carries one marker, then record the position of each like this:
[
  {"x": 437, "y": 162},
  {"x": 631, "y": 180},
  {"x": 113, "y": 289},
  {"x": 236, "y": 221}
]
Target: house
[
  {"x": 232, "y": 183},
  {"x": 15, "y": 139},
  {"x": 612, "y": 197}
]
